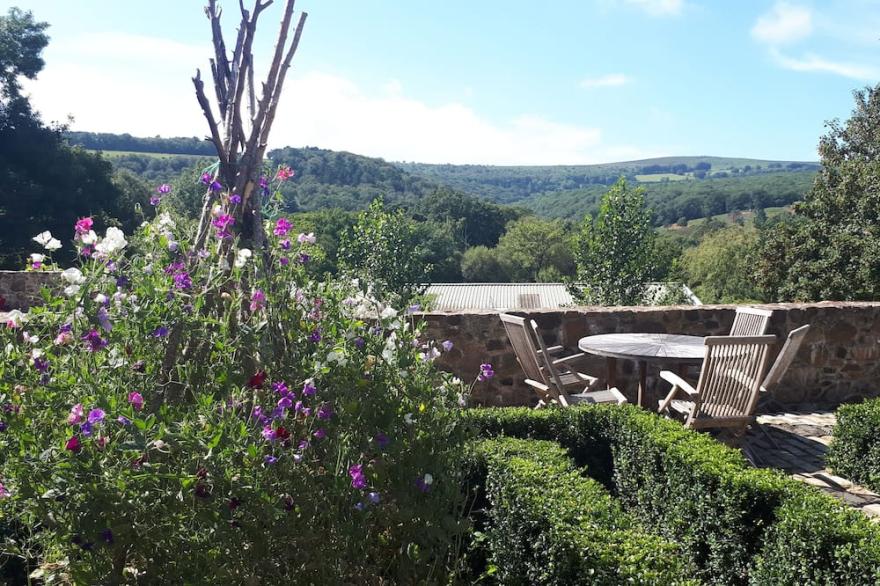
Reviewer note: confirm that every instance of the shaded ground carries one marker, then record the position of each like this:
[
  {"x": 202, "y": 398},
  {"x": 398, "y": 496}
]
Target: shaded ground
[{"x": 797, "y": 443}]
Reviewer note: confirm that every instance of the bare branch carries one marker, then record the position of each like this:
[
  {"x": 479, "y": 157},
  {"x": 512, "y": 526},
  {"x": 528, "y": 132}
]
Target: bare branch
[
  {"x": 270, "y": 118},
  {"x": 209, "y": 116}
]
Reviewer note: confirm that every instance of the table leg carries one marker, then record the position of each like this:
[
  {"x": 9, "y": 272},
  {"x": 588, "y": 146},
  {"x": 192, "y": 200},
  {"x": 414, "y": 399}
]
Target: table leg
[
  {"x": 611, "y": 365},
  {"x": 643, "y": 379}
]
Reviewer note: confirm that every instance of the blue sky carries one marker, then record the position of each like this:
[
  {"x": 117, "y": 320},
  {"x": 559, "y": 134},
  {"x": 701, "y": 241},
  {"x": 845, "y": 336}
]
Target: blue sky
[{"x": 485, "y": 81}]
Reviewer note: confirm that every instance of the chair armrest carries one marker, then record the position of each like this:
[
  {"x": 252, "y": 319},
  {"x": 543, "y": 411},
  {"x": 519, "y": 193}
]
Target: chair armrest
[
  {"x": 568, "y": 359},
  {"x": 677, "y": 381},
  {"x": 553, "y": 350}
]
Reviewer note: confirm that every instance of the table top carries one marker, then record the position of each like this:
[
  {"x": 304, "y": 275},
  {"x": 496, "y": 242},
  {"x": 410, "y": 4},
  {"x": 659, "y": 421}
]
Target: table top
[{"x": 674, "y": 348}]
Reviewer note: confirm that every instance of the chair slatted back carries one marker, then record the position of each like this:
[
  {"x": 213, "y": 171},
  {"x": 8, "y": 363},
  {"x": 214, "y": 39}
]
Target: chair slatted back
[
  {"x": 750, "y": 321},
  {"x": 524, "y": 347},
  {"x": 730, "y": 378},
  {"x": 785, "y": 357},
  {"x": 551, "y": 370}
]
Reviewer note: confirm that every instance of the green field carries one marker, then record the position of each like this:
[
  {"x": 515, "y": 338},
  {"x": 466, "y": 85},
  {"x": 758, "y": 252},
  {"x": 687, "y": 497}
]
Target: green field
[
  {"x": 117, "y": 154},
  {"x": 656, "y": 177}
]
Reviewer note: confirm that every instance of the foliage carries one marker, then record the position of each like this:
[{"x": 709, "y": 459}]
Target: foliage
[
  {"x": 300, "y": 417},
  {"x": 105, "y": 141},
  {"x": 735, "y": 523},
  {"x": 721, "y": 268},
  {"x": 855, "y": 450},
  {"x": 615, "y": 250},
  {"x": 480, "y": 264},
  {"x": 832, "y": 249},
  {"x": 382, "y": 251},
  {"x": 531, "y": 246},
  {"x": 551, "y": 525},
  {"x": 22, "y": 40}
]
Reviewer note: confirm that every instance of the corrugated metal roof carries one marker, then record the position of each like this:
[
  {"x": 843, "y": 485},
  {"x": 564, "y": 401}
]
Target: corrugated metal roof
[
  {"x": 451, "y": 296},
  {"x": 505, "y": 296}
]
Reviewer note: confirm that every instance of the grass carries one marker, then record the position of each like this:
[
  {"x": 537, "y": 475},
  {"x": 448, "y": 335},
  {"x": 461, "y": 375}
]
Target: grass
[
  {"x": 655, "y": 177},
  {"x": 117, "y": 154}
]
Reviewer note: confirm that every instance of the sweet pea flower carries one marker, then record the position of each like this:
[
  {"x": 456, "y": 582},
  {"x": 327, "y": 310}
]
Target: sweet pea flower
[
  {"x": 284, "y": 173},
  {"x": 96, "y": 416},
  {"x": 83, "y": 225},
  {"x": 282, "y": 227},
  {"x": 113, "y": 241},
  {"x": 76, "y": 414},
  {"x": 221, "y": 224},
  {"x": 104, "y": 319},
  {"x": 358, "y": 479},
  {"x": 4, "y": 492},
  {"x": 125, "y": 421},
  {"x": 320, "y": 433},
  {"x": 309, "y": 388},
  {"x": 235, "y": 199},
  {"x": 136, "y": 400},
  {"x": 36, "y": 260},
  {"x": 486, "y": 372},
  {"x": 46, "y": 240},
  {"x": 242, "y": 256},
  {"x": 447, "y": 345},
  {"x": 164, "y": 189},
  {"x": 306, "y": 238},
  {"x": 374, "y": 497},
  {"x": 94, "y": 341},
  {"x": 269, "y": 434},
  {"x": 258, "y": 300},
  {"x": 424, "y": 483},
  {"x": 73, "y": 445}
]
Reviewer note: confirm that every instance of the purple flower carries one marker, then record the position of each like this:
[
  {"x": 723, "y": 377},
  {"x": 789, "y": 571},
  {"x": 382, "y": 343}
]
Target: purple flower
[
  {"x": 235, "y": 199},
  {"x": 359, "y": 506},
  {"x": 216, "y": 186},
  {"x": 2, "y": 426},
  {"x": 486, "y": 372},
  {"x": 284, "y": 261},
  {"x": 285, "y": 244},
  {"x": 155, "y": 200},
  {"x": 207, "y": 179},
  {"x": 447, "y": 345},
  {"x": 93, "y": 340},
  {"x": 4, "y": 492},
  {"x": 221, "y": 224},
  {"x": 374, "y": 497},
  {"x": 424, "y": 482},
  {"x": 122, "y": 419},
  {"x": 269, "y": 434},
  {"x": 285, "y": 402},
  {"x": 358, "y": 479},
  {"x": 414, "y": 308},
  {"x": 303, "y": 258},
  {"x": 96, "y": 416},
  {"x": 381, "y": 440},
  {"x": 359, "y": 342},
  {"x": 104, "y": 319},
  {"x": 258, "y": 300},
  {"x": 325, "y": 411},
  {"x": 269, "y": 460},
  {"x": 163, "y": 189},
  {"x": 41, "y": 364},
  {"x": 315, "y": 336},
  {"x": 160, "y": 332},
  {"x": 304, "y": 445},
  {"x": 264, "y": 185},
  {"x": 280, "y": 388},
  {"x": 309, "y": 389},
  {"x": 182, "y": 280},
  {"x": 320, "y": 433},
  {"x": 136, "y": 400}
]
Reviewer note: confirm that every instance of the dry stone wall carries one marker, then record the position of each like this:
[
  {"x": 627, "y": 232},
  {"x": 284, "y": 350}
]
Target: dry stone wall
[
  {"x": 838, "y": 362},
  {"x": 21, "y": 289}
]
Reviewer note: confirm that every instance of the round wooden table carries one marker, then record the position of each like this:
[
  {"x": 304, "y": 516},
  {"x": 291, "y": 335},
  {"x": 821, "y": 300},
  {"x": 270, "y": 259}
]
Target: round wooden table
[{"x": 672, "y": 349}]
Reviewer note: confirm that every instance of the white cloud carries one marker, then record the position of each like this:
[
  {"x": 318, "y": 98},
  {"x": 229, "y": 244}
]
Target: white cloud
[
  {"x": 814, "y": 63},
  {"x": 659, "y": 7},
  {"x": 785, "y": 23},
  {"x": 107, "y": 93},
  {"x": 610, "y": 80}
]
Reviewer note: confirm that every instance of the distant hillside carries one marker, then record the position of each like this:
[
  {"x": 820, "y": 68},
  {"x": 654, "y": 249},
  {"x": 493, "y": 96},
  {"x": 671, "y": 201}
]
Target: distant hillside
[
  {"x": 508, "y": 184},
  {"x": 678, "y": 188}
]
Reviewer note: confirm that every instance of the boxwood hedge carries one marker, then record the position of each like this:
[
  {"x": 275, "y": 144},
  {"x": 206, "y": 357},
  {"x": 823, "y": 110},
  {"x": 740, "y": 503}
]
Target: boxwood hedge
[
  {"x": 855, "y": 449},
  {"x": 735, "y": 524},
  {"x": 549, "y": 524}
]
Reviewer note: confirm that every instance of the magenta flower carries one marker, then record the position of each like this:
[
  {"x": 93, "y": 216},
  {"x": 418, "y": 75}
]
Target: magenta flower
[
  {"x": 93, "y": 340},
  {"x": 207, "y": 179},
  {"x": 136, "y": 400},
  {"x": 258, "y": 300},
  {"x": 486, "y": 372},
  {"x": 155, "y": 200},
  {"x": 73, "y": 445},
  {"x": 358, "y": 479},
  {"x": 284, "y": 173},
  {"x": 269, "y": 434},
  {"x": 83, "y": 225},
  {"x": 76, "y": 414},
  {"x": 282, "y": 227},
  {"x": 309, "y": 389},
  {"x": 163, "y": 189},
  {"x": 221, "y": 224},
  {"x": 4, "y": 492}
]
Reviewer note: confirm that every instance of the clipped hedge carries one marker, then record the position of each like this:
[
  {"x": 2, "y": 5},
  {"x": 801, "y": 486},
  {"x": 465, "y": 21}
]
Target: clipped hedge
[
  {"x": 730, "y": 519},
  {"x": 855, "y": 449},
  {"x": 548, "y": 524}
]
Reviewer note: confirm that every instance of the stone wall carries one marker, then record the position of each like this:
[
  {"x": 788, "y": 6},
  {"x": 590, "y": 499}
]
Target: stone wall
[
  {"x": 838, "y": 362},
  {"x": 21, "y": 289}
]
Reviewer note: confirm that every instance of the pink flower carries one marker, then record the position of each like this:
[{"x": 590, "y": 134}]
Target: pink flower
[
  {"x": 258, "y": 300},
  {"x": 282, "y": 227},
  {"x": 4, "y": 492},
  {"x": 284, "y": 173},
  {"x": 77, "y": 415},
  {"x": 136, "y": 400},
  {"x": 83, "y": 225}
]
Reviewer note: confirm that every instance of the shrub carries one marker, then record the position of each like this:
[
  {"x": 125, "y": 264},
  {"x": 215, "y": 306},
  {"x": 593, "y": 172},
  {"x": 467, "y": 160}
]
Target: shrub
[
  {"x": 162, "y": 421},
  {"x": 855, "y": 449},
  {"x": 551, "y": 525},
  {"x": 699, "y": 493}
]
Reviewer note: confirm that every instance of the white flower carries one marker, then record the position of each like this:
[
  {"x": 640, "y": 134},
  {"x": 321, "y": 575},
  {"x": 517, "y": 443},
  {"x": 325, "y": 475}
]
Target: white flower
[
  {"x": 242, "y": 257},
  {"x": 15, "y": 318},
  {"x": 101, "y": 298},
  {"x": 89, "y": 238},
  {"x": 71, "y": 290},
  {"x": 114, "y": 241},
  {"x": 428, "y": 480},
  {"x": 36, "y": 353},
  {"x": 337, "y": 357},
  {"x": 388, "y": 312},
  {"x": 165, "y": 222},
  {"x": 46, "y": 240},
  {"x": 29, "y": 338},
  {"x": 408, "y": 418},
  {"x": 148, "y": 269},
  {"x": 36, "y": 257},
  {"x": 306, "y": 238},
  {"x": 73, "y": 276}
]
